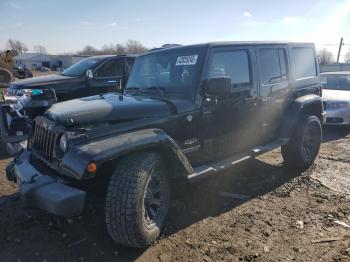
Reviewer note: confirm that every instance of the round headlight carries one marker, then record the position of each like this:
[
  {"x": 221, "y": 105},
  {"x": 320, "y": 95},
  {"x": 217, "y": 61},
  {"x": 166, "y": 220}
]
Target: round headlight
[{"x": 64, "y": 143}]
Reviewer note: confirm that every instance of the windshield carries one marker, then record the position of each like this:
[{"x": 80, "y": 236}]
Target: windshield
[
  {"x": 80, "y": 68},
  {"x": 336, "y": 82},
  {"x": 173, "y": 70}
]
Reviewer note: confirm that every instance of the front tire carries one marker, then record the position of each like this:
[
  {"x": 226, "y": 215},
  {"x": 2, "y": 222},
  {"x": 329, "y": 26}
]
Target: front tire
[
  {"x": 137, "y": 200},
  {"x": 302, "y": 150}
]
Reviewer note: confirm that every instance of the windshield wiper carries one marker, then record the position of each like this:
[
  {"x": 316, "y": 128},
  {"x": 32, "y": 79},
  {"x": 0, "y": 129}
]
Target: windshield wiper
[
  {"x": 161, "y": 90},
  {"x": 131, "y": 90},
  {"x": 165, "y": 100}
]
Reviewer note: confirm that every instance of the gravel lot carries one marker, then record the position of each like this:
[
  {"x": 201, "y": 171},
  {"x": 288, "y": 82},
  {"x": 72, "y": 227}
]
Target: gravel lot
[{"x": 278, "y": 216}]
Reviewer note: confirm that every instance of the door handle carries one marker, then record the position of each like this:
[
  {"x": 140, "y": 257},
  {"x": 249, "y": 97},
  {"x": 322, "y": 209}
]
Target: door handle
[
  {"x": 112, "y": 81},
  {"x": 250, "y": 100},
  {"x": 284, "y": 90},
  {"x": 265, "y": 99}
]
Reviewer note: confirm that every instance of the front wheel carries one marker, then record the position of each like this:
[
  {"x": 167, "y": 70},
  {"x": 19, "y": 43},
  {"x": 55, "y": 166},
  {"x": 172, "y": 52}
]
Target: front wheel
[
  {"x": 301, "y": 151},
  {"x": 137, "y": 200}
]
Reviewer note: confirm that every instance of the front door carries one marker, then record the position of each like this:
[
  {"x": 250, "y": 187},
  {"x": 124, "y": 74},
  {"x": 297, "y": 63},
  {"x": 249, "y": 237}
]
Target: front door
[
  {"x": 228, "y": 122},
  {"x": 108, "y": 77},
  {"x": 274, "y": 89}
]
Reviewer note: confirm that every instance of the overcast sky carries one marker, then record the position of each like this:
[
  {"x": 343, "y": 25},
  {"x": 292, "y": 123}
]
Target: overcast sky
[{"x": 69, "y": 25}]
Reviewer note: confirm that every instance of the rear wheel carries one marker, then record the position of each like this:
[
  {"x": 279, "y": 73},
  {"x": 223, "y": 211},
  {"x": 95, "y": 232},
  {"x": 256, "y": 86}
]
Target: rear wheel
[
  {"x": 302, "y": 149},
  {"x": 137, "y": 200}
]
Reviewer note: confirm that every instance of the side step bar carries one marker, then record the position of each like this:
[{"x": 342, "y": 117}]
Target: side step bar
[{"x": 207, "y": 170}]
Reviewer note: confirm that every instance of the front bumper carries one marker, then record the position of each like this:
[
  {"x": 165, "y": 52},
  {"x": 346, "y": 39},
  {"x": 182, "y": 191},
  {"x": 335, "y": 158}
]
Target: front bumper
[
  {"x": 338, "y": 117},
  {"x": 42, "y": 191}
]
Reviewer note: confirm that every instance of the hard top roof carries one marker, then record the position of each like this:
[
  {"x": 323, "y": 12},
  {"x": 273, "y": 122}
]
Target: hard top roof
[{"x": 232, "y": 43}]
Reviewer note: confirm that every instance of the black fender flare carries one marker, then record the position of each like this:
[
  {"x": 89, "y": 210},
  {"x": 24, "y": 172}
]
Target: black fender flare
[
  {"x": 110, "y": 148},
  {"x": 308, "y": 104}
]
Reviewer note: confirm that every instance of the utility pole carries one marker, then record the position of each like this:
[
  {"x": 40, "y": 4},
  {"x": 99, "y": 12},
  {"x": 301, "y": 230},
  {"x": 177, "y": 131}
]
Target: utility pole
[{"x": 340, "y": 46}]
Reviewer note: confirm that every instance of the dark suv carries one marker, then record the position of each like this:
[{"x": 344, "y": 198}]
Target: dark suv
[
  {"x": 90, "y": 76},
  {"x": 186, "y": 113}
]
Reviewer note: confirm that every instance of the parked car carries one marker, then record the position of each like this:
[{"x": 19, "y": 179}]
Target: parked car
[
  {"x": 90, "y": 76},
  {"x": 16, "y": 115},
  {"x": 186, "y": 113},
  {"x": 94, "y": 75},
  {"x": 336, "y": 97}
]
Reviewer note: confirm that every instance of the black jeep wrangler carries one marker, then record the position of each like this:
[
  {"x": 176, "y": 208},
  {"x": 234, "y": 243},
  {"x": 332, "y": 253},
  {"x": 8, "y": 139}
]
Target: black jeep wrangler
[{"x": 186, "y": 113}]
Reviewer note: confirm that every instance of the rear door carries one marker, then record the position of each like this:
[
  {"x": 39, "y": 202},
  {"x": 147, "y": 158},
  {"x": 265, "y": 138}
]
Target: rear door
[
  {"x": 108, "y": 77},
  {"x": 274, "y": 89}
]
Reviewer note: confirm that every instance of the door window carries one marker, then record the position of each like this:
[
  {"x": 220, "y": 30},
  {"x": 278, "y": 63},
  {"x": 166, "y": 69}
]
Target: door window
[
  {"x": 111, "y": 68},
  {"x": 234, "y": 64},
  {"x": 273, "y": 65}
]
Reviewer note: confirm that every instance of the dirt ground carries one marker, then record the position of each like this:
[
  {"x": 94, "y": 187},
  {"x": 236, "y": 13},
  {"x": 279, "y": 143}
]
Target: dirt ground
[{"x": 258, "y": 211}]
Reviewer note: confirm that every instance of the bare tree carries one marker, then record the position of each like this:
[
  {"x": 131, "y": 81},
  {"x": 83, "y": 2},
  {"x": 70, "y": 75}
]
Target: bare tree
[
  {"x": 40, "y": 49},
  {"x": 325, "y": 57},
  {"x": 88, "y": 50},
  {"x": 347, "y": 57},
  {"x": 108, "y": 49},
  {"x": 120, "y": 49},
  {"x": 135, "y": 47},
  {"x": 131, "y": 47},
  {"x": 17, "y": 47}
]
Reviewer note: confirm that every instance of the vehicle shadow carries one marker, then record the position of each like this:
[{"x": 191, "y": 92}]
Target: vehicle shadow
[
  {"x": 224, "y": 192},
  {"x": 331, "y": 133}
]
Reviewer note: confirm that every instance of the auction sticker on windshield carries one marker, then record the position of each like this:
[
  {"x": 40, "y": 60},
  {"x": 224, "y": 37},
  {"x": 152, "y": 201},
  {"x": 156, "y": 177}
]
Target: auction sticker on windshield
[{"x": 187, "y": 60}]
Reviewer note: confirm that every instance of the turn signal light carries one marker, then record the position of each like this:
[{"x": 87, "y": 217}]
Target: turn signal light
[{"x": 91, "y": 167}]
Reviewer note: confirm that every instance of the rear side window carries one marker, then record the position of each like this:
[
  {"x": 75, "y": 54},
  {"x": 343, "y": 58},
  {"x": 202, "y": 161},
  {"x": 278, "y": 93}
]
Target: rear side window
[
  {"x": 304, "y": 62},
  {"x": 234, "y": 64},
  {"x": 273, "y": 66}
]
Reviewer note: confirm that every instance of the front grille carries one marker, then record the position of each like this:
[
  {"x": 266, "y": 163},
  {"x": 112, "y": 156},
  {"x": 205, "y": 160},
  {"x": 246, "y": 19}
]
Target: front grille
[
  {"x": 324, "y": 105},
  {"x": 44, "y": 140}
]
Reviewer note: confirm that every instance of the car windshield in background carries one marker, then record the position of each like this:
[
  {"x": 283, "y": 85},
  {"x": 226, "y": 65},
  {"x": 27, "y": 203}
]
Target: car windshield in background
[
  {"x": 168, "y": 69},
  {"x": 79, "y": 68},
  {"x": 336, "y": 82}
]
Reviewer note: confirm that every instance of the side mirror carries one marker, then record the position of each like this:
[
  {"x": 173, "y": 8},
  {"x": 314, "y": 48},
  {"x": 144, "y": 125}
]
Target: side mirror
[
  {"x": 89, "y": 74},
  {"x": 218, "y": 86}
]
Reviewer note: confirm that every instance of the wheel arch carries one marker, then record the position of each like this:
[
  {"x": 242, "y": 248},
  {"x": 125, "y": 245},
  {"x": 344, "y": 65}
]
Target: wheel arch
[
  {"x": 304, "y": 105},
  {"x": 107, "y": 152}
]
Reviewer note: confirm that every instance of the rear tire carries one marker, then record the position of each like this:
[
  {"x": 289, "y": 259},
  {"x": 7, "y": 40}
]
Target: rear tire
[
  {"x": 137, "y": 200},
  {"x": 301, "y": 151}
]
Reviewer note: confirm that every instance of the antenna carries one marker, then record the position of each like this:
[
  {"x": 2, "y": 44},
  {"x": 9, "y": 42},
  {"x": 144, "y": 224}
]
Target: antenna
[{"x": 340, "y": 46}]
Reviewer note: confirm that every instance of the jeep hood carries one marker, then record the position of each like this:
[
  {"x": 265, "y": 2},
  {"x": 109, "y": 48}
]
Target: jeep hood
[
  {"x": 40, "y": 81},
  {"x": 108, "y": 108}
]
